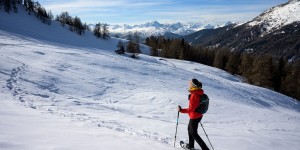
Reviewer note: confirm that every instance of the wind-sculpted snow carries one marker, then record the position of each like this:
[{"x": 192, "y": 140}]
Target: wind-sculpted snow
[{"x": 138, "y": 98}]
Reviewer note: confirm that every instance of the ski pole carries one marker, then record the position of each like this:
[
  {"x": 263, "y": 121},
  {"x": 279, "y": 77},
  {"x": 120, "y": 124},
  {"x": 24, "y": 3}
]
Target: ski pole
[
  {"x": 207, "y": 136},
  {"x": 176, "y": 128}
]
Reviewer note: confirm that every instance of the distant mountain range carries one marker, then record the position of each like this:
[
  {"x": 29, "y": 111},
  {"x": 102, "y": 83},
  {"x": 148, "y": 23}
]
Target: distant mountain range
[
  {"x": 156, "y": 29},
  {"x": 276, "y": 31}
]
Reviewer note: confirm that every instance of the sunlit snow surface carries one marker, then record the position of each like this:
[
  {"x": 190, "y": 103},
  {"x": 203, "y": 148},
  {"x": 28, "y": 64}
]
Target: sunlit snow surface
[
  {"x": 57, "y": 96},
  {"x": 278, "y": 16}
]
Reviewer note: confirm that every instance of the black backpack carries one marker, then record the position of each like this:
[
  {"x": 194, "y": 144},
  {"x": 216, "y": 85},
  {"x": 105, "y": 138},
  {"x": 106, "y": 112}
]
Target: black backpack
[{"x": 203, "y": 106}]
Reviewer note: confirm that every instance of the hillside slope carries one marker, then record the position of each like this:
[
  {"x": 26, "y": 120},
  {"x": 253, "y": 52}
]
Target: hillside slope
[
  {"x": 135, "y": 98},
  {"x": 28, "y": 25},
  {"x": 276, "y": 32},
  {"x": 28, "y": 129},
  {"x": 278, "y": 16},
  {"x": 61, "y": 93}
]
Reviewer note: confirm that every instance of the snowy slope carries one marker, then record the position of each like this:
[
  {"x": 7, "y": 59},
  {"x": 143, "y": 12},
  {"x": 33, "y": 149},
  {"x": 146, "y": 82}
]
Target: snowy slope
[
  {"x": 279, "y": 16},
  {"x": 28, "y": 25},
  {"x": 96, "y": 95},
  {"x": 61, "y": 93},
  {"x": 27, "y": 129}
]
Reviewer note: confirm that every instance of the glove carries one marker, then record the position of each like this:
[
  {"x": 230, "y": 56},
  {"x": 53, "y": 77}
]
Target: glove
[{"x": 179, "y": 108}]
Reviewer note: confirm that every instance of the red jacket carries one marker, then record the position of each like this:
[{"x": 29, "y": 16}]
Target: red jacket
[{"x": 194, "y": 102}]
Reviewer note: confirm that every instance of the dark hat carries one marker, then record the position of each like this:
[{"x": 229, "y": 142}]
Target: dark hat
[{"x": 197, "y": 83}]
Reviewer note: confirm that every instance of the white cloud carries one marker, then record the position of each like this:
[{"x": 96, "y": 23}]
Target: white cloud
[{"x": 96, "y": 5}]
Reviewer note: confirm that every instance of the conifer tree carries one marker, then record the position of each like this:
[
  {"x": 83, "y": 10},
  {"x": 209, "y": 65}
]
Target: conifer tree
[
  {"x": 183, "y": 50},
  {"x": 153, "y": 51},
  {"x": 78, "y": 25},
  {"x": 132, "y": 48},
  {"x": 233, "y": 63},
  {"x": 121, "y": 47},
  {"x": 15, "y": 6},
  {"x": 63, "y": 18},
  {"x": 291, "y": 82},
  {"x": 261, "y": 72},
  {"x": 166, "y": 50},
  {"x": 153, "y": 43},
  {"x": 30, "y": 6},
  {"x": 137, "y": 40},
  {"x": 97, "y": 30},
  {"x": 7, "y": 6},
  {"x": 246, "y": 65},
  {"x": 221, "y": 58},
  {"x": 26, "y": 4},
  {"x": 86, "y": 27},
  {"x": 105, "y": 31},
  {"x": 175, "y": 48},
  {"x": 70, "y": 22},
  {"x": 279, "y": 74}
]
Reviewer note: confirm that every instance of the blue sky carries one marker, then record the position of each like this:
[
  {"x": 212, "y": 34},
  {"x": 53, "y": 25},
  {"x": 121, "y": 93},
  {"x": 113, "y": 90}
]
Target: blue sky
[{"x": 164, "y": 11}]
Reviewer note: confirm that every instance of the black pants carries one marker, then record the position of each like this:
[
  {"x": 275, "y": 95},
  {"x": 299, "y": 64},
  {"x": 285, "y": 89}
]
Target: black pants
[{"x": 193, "y": 134}]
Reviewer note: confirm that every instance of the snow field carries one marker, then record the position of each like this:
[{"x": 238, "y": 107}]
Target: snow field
[
  {"x": 63, "y": 91},
  {"x": 136, "y": 98}
]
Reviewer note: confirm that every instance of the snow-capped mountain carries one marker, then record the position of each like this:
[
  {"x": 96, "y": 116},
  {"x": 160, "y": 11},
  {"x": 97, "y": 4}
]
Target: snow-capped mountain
[
  {"x": 155, "y": 28},
  {"x": 277, "y": 17},
  {"x": 276, "y": 31}
]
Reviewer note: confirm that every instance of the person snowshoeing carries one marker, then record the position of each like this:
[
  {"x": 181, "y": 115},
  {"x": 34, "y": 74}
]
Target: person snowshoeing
[{"x": 195, "y": 89}]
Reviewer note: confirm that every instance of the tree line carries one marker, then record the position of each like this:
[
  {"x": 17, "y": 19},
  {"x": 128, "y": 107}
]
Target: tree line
[
  {"x": 263, "y": 70},
  {"x": 9, "y": 5},
  {"x": 132, "y": 46},
  {"x": 74, "y": 23},
  {"x": 101, "y": 30},
  {"x": 30, "y": 6}
]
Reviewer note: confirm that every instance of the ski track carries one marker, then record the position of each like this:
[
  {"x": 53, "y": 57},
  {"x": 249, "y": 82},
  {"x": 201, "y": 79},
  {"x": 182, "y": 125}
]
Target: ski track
[{"x": 14, "y": 85}]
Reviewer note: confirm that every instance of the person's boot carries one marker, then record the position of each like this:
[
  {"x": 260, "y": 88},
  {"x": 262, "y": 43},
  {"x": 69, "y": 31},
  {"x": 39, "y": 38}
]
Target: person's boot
[
  {"x": 186, "y": 146},
  {"x": 189, "y": 147}
]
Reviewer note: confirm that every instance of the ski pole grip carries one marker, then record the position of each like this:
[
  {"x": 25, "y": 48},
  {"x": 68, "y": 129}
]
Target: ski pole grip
[{"x": 179, "y": 108}]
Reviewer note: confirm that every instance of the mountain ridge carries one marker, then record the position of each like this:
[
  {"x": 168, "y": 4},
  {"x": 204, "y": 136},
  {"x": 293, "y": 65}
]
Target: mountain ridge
[
  {"x": 279, "y": 36},
  {"x": 156, "y": 28}
]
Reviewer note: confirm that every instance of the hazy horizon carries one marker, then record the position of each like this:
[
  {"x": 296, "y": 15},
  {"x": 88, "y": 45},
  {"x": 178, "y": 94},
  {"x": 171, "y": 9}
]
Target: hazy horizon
[{"x": 134, "y": 12}]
